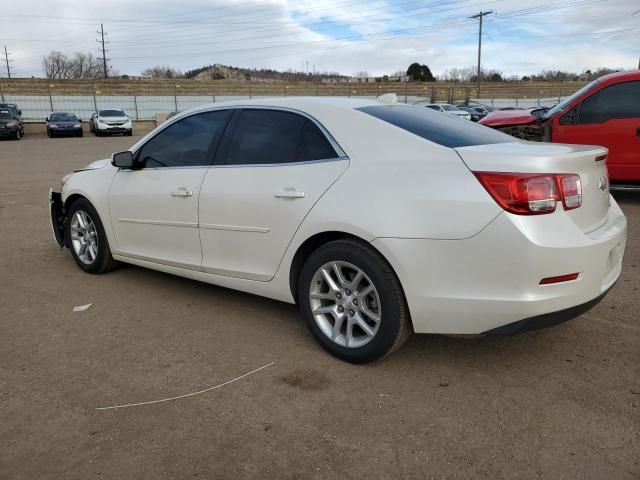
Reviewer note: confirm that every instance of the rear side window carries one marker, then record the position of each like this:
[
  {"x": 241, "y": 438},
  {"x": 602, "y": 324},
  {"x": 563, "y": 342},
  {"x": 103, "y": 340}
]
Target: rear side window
[
  {"x": 443, "y": 129},
  {"x": 264, "y": 137},
  {"x": 313, "y": 144},
  {"x": 188, "y": 142},
  {"x": 616, "y": 101}
]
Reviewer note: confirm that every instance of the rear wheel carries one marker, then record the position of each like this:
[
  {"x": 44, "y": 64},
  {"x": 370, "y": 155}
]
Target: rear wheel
[
  {"x": 352, "y": 302},
  {"x": 87, "y": 239}
]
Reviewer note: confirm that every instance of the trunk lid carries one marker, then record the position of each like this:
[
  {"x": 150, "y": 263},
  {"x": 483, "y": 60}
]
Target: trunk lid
[{"x": 531, "y": 157}]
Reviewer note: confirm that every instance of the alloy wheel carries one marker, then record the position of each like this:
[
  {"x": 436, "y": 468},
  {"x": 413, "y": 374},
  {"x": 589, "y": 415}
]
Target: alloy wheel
[
  {"x": 345, "y": 304},
  {"x": 84, "y": 237}
]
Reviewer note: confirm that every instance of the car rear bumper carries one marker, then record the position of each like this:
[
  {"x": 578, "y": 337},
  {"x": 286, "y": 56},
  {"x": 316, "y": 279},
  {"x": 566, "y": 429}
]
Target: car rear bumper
[
  {"x": 492, "y": 279},
  {"x": 547, "y": 319}
]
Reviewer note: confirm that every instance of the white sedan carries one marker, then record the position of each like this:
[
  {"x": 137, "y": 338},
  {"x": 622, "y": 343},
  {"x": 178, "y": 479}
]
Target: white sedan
[{"x": 377, "y": 219}]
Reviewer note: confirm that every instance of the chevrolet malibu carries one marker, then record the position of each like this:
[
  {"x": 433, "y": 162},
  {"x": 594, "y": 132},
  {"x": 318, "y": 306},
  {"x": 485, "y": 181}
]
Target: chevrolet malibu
[{"x": 376, "y": 219}]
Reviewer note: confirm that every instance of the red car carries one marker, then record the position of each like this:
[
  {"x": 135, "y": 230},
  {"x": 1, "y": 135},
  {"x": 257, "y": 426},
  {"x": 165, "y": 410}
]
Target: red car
[{"x": 605, "y": 112}]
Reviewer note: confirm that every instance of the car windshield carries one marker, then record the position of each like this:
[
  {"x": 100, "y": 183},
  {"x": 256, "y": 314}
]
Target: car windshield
[
  {"x": 111, "y": 113},
  {"x": 63, "y": 117},
  {"x": 567, "y": 101},
  {"x": 6, "y": 115},
  {"x": 449, "y": 107}
]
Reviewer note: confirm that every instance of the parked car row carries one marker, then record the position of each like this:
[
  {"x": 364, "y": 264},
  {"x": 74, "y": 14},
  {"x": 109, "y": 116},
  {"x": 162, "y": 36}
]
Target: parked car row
[{"x": 467, "y": 111}]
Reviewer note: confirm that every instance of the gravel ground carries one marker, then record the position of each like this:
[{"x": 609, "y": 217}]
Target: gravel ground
[{"x": 558, "y": 403}]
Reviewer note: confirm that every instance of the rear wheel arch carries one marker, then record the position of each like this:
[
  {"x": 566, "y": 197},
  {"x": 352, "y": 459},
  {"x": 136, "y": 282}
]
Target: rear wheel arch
[{"x": 314, "y": 242}]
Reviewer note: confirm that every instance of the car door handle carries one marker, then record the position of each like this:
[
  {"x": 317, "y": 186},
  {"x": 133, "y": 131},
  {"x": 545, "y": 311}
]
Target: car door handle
[
  {"x": 182, "y": 192},
  {"x": 638, "y": 132},
  {"x": 289, "y": 192}
]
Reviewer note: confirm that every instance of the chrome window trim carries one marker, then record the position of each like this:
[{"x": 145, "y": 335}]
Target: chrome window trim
[{"x": 332, "y": 141}]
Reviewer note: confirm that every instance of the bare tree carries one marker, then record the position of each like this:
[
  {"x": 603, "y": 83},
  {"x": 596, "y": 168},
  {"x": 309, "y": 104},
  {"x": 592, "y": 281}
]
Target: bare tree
[
  {"x": 85, "y": 65},
  {"x": 361, "y": 74},
  {"x": 162, "y": 71},
  {"x": 56, "y": 65}
]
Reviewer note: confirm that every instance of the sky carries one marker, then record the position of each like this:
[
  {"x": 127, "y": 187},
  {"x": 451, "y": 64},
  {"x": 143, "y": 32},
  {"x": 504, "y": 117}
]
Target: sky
[{"x": 379, "y": 37}]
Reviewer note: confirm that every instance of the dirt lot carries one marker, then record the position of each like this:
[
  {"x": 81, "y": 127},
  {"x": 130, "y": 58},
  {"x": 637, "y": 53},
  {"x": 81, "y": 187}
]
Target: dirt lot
[{"x": 558, "y": 403}]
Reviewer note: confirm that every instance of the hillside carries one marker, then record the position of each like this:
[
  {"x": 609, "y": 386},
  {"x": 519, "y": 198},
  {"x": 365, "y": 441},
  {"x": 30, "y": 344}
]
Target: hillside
[{"x": 225, "y": 72}]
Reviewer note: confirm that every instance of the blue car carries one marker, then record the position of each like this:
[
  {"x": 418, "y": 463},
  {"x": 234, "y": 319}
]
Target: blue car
[{"x": 63, "y": 123}]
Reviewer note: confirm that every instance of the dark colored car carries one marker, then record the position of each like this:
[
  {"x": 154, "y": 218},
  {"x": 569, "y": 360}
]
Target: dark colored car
[
  {"x": 63, "y": 123},
  {"x": 17, "y": 114},
  {"x": 605, "y": 112},
  {"x": 9, "y": 125},
  {"x": 476, "y": 115}
]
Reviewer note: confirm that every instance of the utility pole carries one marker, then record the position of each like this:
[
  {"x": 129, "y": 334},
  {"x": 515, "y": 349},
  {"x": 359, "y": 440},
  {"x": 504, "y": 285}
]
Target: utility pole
[
  {"x": 480, "y": 16},
  {"x": 635, "y": 13},
  {"x": 6, "y": 60},
  {"x": 104, "y": 52}
]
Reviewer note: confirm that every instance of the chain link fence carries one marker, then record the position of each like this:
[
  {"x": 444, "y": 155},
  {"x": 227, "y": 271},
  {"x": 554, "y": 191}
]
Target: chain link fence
[{"x": 36, "y": 108}]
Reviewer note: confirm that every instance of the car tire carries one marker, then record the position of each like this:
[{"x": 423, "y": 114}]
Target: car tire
[
  {"x": 80, "y": 133},
  {"x": 17, "y": 136},
  {"x": 88, "y": 232},
  {"x": 48, "y": 133},
  {"x": 129, "y": 133},
  {"x": 322, "y": 306}
]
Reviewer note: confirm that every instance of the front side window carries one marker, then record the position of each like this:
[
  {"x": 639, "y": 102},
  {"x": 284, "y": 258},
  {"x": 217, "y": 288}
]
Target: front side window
[
  {"x": 190, "y": 141},
  {"x": 616, "y": 101}
]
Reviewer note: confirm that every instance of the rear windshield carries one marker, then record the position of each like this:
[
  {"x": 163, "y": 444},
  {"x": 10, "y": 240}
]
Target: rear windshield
[
  {"x": 111, "y": 113},
  {"x": 446, "y": 130}
]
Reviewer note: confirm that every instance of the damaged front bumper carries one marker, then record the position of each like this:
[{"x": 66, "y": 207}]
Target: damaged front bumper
[{"x": 56, "y": 209}]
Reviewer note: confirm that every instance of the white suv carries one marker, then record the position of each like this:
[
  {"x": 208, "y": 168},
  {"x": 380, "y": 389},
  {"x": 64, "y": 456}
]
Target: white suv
[{"x": 110, "y": 121}]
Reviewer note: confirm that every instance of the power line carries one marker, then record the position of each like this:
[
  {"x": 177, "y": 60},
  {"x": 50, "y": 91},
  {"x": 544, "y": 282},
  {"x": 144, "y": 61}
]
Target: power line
[
  {"x": 480, "y": 15},
  {"x": 104, "y": 52}
]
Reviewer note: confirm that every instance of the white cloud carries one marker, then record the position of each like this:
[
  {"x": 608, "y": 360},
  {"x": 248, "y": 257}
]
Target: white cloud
[{"x": 378, "y": 36}]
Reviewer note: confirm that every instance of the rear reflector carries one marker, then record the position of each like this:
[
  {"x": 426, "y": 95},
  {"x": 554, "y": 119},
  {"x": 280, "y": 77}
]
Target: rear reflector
[
  {"x": 559, "y": 279},
  {"x": 532, "y": 193}
]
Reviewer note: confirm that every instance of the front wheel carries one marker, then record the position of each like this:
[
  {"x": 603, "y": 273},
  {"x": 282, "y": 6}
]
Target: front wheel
[
  {"x": 353, "y": 302},
  {"x": 86, "y": 238}
]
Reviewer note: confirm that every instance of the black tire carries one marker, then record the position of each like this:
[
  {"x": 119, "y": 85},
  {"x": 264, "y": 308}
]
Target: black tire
[
  {"x": 103, "y": 261},
  {"x": 129, "y": 133},
  {"x": 48, "y": 133},
  {"x": 80, "y": 133},
  {"x": 17, "y": 135},
  {"x": 395, "y": 325}
]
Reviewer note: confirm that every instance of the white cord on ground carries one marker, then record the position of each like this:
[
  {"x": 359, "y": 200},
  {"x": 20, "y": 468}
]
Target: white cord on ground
[{"x": 188, "y": 394}]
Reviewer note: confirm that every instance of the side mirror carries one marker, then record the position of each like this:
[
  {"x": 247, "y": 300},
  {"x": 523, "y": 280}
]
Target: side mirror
[
  {"x": 46, "y": 119},
  {"x": 19, "y": 112},
  {"x": 79, "y": 120},
  {"x": 122, "y": 159},
  {"x": 570, "y": 118}
]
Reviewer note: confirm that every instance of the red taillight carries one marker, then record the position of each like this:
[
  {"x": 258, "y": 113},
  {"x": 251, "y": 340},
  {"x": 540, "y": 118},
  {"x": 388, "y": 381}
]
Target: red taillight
[
  {"x": 532, "y": 193},
  {"x": 571, "y": 190},
  {"x": 559, "y": 279}
]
